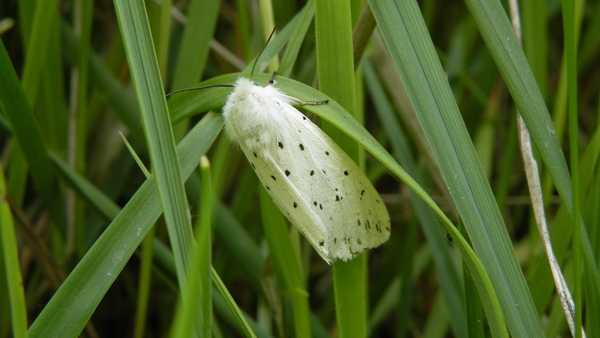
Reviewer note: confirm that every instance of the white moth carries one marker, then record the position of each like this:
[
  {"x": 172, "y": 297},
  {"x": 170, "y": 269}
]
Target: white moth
[{"x": 312, "y": 180}]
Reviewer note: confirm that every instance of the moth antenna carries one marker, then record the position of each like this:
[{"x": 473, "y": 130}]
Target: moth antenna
[
  {"x": 263, "y": 48},
  {"x": 199, "y": 88},
  {"x": 272, "y": 81}
]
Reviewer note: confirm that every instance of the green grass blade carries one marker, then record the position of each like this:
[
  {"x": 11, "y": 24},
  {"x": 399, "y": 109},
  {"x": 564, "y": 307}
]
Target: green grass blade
[
  {"x": 203, "y": 258},
  {"x": 335, "y": 67},
  {"x": 73, "y": 304},
  {"x": 29, "y": 136},
  {"x": 10, "y": 254},
  {"x": 200, "y": 270},
  {"x": 502, "y": 43},
  {"x": 571, "y": 42},
  {"x": 103, "y": 205},
  {"x": 285, "y": 263},
  {"x": 193, "y": 51},
  {"x": 45, "y": 13},
  {"x": 295, "y": 42},
  {"x": 241, "y": 244},
  {"x": 449, "y": 279},
  {"x": 155, "y": 118},
  {"x": 239, "y": 316},
  {"x": 102, "y": 79},
  {"x": 411, "y": 48}
]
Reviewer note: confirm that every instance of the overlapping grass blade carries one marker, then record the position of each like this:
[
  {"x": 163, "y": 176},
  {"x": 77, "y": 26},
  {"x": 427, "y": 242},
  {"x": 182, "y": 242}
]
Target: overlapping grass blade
[
  {"x": 408, "y": 41},
  {"x": 73, "y": 304}
]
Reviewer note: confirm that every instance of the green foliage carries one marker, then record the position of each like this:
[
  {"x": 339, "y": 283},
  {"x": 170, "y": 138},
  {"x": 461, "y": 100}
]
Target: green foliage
[{"x": 425, "y": 102}]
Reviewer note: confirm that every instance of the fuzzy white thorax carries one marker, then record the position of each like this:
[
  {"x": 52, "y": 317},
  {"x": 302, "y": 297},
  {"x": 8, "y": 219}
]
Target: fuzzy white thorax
[{"x": 253, "y": 115}]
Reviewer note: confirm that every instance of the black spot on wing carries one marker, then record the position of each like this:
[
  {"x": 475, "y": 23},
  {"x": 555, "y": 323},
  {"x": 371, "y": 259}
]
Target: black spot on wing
[
  {"x": 287, "y": 172},
  {"x": 346, "y": 172},
  {"x": 273, "y": 177},
  {"x": 280, "y": 145},
  {"x": 253, "y": 166},
  {"x": 312, "y": 172},
  {"x": 301, "y": 146},
  {"x": 295, "y": 205},
  {"x": 255, "y": 155},
  {"x": 326, "y": 153}
]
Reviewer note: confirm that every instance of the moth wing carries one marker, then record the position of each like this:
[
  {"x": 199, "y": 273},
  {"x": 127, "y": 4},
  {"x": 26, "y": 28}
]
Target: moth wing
[
  {"x": 353, "y": 212},
  {"x": 289, "y": 199},
  {"x": 344, "y": 209}
]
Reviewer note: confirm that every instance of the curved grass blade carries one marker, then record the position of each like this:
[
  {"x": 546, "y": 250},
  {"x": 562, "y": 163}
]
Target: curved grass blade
[
  {"x": 77, "y": 298},
  {"x": 408, "y": 41}
]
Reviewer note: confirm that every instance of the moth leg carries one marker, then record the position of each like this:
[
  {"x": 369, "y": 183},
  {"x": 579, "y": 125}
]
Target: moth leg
[
  {"x": 296, "y": 100},
  {"x": 307, "y": 103}
]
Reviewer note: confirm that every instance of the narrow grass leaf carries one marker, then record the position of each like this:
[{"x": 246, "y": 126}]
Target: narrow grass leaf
[
  {"x": 305, "y": 17},
  {"x": 73, "y": 304},
  {"x": 105, "y": 82},
  {"x": 449, "y": 279},
  {"x": 407, "y": 39},
  {"x": 193, "y": 50},
  {"x": 155, "y": 118},
  {"x": 29, "y": 137},
  {"x": 335, "y": 68},
  {"x": 45, "y": 13},
  {"x": 239, "y": 316},
  {"x": 10, "y": 254},
  {"x": 285, "y": 262}
]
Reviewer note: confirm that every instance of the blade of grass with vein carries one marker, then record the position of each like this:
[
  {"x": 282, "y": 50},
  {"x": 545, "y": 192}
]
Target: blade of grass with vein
[
  {"x": 497, "y": 33},
  {"x": 236, "y": 312},
  {"x": 560, "y": 232},
  {"x": 285, "y": 263},
  {"x": 10, "y": 254},
  {"x": 105, "y": 82},
  {"x": 223, "y": 302},
  {"x": 200, "y": 270},
  {"x": 504, "y": 47},
  {"x": 407, "y": 39},
  {"x": 73, "y": 304},
  {"x": 51, "y": 109},
  {"x": 295, "y": 41},
  {"x": 242, "y": 245},
  {"x": 155, "y": 118},
  {"x": 449, "y": 278},
  {"x": 45, "y": 13},
  {"x": 335, "y": 68},
  {"x": 193, "y": 51},
  {"x": 203, "y": 257},
  {"x": 26, "y": 130},
  {"x": 570, "y": 41}
]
